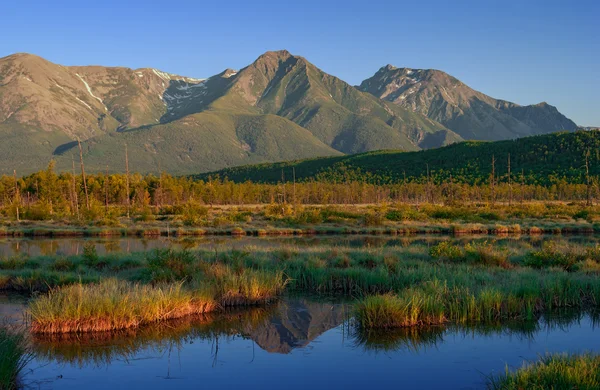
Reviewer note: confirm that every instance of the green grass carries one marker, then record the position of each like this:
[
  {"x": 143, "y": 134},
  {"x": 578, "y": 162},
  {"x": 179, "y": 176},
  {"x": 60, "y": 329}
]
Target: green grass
[
  {"x": 438, "y": 305},
  {"x": 14, "y": 356},
  {"x": 419, "y": 284},
  {"x": 113, "y": 304},
  {"x": 194, "y": 218},
  {"x": 558, "y": 371}
]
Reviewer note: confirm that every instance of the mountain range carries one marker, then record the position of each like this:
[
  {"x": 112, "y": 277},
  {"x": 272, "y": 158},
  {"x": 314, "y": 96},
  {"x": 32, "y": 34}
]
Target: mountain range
[
  {"x": 280, "y": 107},
  {"x": 469, "y": 113}
]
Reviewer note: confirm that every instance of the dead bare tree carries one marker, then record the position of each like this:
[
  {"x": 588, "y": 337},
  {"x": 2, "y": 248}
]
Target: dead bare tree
[
  {"x": 127, "y": 180},
  {"x": 522, "y": 185},
  {"x": 283, "y": 185},
  {"x": 428, "y": 186},
  {"x": 493, "y": 181},
  {"x": 106, "y": 191},
  {"x": 510, "y": 191},
  {"x": 74, "y": 188},
  {"x": 87, "y": 198},
  {"x": 587, "y": 179},
  {"x": 17, "y": 198},
  {"x": 294, "y": 188}
]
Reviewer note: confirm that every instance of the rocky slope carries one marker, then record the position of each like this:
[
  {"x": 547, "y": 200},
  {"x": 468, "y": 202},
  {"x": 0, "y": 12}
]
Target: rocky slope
[
  {"x": 279, "y": 107},
  {"x": 471, "y": 114}
]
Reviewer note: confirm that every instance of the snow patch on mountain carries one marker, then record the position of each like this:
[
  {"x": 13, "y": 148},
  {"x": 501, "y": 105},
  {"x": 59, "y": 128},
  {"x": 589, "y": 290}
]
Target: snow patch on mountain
[{"x": 90, "y": 91}]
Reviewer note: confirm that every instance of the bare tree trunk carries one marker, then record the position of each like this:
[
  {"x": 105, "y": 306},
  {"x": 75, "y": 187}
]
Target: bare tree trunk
[
  {"x": 17, "y": 194},
  {"x": 106, "y": 191},
  {"x": 587, "y": 178},
  {"x": 493, "y": 180},
  {"x": 75, "y": 189},
  {"x": 283, "y": 185},
  {"x": 510, "y": 192},
  {"x": 451, "y": 190},
  {"x": 428, "y": 186},
  {"x": 87, "y": 198},
  {"x": 522, "y": 185},
  {"x": 294, "y": 188},
  {"x": 127, "y": 179}
]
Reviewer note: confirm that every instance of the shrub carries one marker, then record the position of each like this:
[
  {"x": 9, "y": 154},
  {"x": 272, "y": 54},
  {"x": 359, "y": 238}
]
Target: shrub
[
  {"x": 63, "y": 264},
  {"x": 405, "y": 213},
  {"x": 40, "y": 211},
  {"x": 311, "y": 216},
  {"x": 95, "y": 212},
  {"x": 446, "y": 250},
  {"x": 486, "y": 253},
  {"x": 243, "y": 216},
  {"x": 278, "y": 210},
  {"x": 193, "y": 213},
  {"x": 90, "y": 255},
  {"x": 167, "y": 265},
  {"x": 551, "y": 255},
  {"x": 15, "y": 263},
  {"x": 145, "y": 215},
  {"x": 373, "y": 219}
]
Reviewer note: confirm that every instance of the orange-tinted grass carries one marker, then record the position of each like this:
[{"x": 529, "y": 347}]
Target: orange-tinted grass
[{"x": 112, "y": 304}]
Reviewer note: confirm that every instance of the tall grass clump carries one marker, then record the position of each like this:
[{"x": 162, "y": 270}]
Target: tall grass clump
[
  {"x": 392, "y": 311},
  {"x": 475, "y": 253},
  {"x": 168, "y": 265},
  {"x": 249, "y": 287},
  {"x": 557, "y": 371},
  {"x": 553, "y": 254},
  {"x": 14, "y": 356},
  {"x": 113, "y": 304},
  {"x": 437, "y": 304}
]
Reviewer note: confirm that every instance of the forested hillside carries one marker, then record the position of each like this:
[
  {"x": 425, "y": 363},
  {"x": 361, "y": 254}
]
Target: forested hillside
[{"x": 545, "y": 159}]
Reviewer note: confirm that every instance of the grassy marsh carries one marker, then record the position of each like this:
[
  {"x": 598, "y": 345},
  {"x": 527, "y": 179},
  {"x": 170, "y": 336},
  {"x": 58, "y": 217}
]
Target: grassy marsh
[
  {"x": 557, "y": 371},
  {"x": 196, "y": 219},
  {"x": 398, "y": 286}
]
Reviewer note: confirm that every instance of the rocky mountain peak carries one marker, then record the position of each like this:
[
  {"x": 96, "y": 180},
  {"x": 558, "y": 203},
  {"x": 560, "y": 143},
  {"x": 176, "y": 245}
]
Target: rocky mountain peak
[{"x": 470, "y": 113}]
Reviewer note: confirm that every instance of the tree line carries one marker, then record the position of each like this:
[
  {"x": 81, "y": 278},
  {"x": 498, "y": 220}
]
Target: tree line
[{"x": 91, "y": 196}]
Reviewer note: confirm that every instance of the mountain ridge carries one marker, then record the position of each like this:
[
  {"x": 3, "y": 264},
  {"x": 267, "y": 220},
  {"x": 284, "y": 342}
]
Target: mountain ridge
[
  {"x": 470, "y": 113},
  {"x": 279, "y": 107}
]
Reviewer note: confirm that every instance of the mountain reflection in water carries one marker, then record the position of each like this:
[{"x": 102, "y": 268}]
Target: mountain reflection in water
[
  {"x": 280, "y": 328},
  {"x": 310, "y": 341}
]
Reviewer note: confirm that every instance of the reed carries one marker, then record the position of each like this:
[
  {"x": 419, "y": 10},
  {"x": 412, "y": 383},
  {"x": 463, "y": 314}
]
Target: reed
[
  {"x": 453, "y": 283},
  {"x": 14, "y": 357},
  {"x": 435, "y": 303},
  {"x": 557, "y": 371},
  {"x": 115, "y": 304},
  {"x": 250, "y": 287},
  {"x": 112, "y": 304}
]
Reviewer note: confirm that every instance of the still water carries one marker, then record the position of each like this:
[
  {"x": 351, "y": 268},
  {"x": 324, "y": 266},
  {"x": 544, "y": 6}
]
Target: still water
[
  {"x": 74, "y": 246},
  {"x": 300, "y": 344},
  {"x": 297, "y": 343}
]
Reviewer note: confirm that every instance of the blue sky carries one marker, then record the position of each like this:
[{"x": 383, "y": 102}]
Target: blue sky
[{"x": 524, "y": 51}]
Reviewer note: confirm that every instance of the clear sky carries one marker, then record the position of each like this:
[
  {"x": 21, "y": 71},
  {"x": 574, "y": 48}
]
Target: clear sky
[{"x": 526, "y": 51}]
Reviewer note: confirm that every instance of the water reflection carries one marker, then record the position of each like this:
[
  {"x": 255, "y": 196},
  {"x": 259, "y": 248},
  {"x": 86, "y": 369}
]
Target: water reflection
[
  {"x": 419, "y": 339},
  {"x": 280, "y": 329},
  {"x": 301, "y": 343},
  {"x": 74, "y": 246}
]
